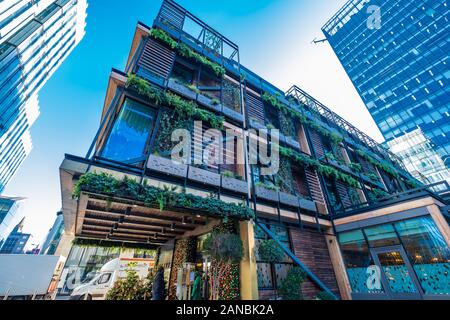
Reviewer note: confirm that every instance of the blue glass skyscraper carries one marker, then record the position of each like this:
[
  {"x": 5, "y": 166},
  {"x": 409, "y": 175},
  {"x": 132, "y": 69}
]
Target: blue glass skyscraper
[
  {"x": 35, "y": 38},
  {"x": 396, "y": 54}
]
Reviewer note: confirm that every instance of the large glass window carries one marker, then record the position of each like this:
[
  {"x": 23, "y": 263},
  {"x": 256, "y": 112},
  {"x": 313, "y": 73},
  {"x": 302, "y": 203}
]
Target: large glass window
[
  {"x": 361, "y": 271},
  {"x": 381, "y": 236},
  {"x": 428, "y": 252},
  {"x": 130, "y": 133}
]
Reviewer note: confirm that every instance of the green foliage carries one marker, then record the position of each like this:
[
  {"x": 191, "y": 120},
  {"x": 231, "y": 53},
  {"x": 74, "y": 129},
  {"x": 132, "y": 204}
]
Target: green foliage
[
  {"x": 267, "y": 185},
  {"x": 270, "y": 251},
  {"x": 224, "y": 247},
  {"x": 380, "y": 165},
  {"x": 185, "y": 51},
  {"x": 186, "y": 109},
  {"x": 326, "y": 170},
  {"x": 108, "y": 185},
  {"x": 131, "y": 287},
  {"x": 373, "y": 177},
  {"x": 228, "y": 174},
  {"x": 273, "y": 100},
  {"x": 356, "y": 167},
  {"x": 291, "y": 286},
  {"x": 323, "y": 295},
  {"x": 90, "y": 243},
  {"x": 376, "y": 194}
]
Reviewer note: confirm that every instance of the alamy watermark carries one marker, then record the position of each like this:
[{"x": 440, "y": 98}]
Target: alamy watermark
[
  {"x": 209, "y": 146},
  {"x": 374, "y": 19}
]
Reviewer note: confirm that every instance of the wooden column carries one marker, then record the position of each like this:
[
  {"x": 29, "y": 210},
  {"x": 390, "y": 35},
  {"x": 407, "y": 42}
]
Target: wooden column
[
  {"x": 248, "y": 270},
  {"x": 339, "y": 267},
  {"x": 440, "y": 221}
]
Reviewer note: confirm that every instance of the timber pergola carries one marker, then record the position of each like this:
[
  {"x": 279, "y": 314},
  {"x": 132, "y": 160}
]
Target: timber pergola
[{"x": 110, "y": 218}]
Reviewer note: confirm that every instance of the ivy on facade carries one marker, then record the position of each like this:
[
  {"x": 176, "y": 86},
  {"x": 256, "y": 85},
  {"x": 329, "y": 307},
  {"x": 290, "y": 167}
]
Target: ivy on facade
[
  {"x": 324, "y": 169},
  {"x": 186, "y": 109},
  {"x": 127, "y": 188},
  {"x": 273, "y": 100},
  {"x": 186, "y": 52}
]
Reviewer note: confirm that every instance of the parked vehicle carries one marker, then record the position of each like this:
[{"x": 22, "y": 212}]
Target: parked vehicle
[
  {"x": 25, "y": 277},
  {"x": 98, "y": 287}
]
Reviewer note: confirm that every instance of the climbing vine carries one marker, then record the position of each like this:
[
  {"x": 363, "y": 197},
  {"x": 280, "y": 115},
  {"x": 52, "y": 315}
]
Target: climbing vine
[
  {"x": 127, "y": 188},
  {"x": 185, "y": 51},
  {"x": 184, "y": 108}
]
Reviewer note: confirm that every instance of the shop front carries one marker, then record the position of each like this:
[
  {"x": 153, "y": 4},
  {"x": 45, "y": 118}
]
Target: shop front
[{"x": 397, "y": 259}]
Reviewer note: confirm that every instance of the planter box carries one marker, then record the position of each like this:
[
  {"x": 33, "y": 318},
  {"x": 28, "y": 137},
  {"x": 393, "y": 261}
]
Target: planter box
[
  {"x": 292, "y": 143},
  {"x": 307, "y": 204},
  {"x": 282, "y": 137},
  {"x": 232, "y": 114},
  {"x": 167, "y": 166},
  {"x": 204, "y": 176},
  {"x": 267, "y": 194},
  {"x": 343, "y": 167},
  {"x": 235, "y": 185},
  {"x": 288, "y": 199},
  {"x": 181, "y": 89},
  {"x": 207, "y": 102},
  {"x": 256, "y": 125}
]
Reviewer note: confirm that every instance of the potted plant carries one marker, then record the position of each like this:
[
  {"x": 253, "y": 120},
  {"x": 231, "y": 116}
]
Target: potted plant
[
  {"x": 204, "y": 176},
  {"x": 291, "y": 286},
  {"x": 231, "y": 182},
  {"x": 270, "y": 251},
  {"x": 266, "y": 191},
  {"x": 288, "y": 199},
  {"x": 166, "y": 166},
  {"x": 181, "y": 88},
  {"x": 307, "y": 204},
  {"x": 209, "y": 102}
]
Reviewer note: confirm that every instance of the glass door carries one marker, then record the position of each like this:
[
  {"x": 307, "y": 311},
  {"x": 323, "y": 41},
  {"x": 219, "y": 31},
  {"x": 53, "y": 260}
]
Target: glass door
[{"x": 396, "y": 273}]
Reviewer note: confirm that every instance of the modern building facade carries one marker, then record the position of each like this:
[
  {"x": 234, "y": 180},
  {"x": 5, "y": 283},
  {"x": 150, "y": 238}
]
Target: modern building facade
[
  {"x": 396, "y": 54},
  {"x": 35, "y": 38},
  {"x": 340, "y": 206},
  {"x": 54, "y": 235},
  {"x": 10, "y": 214},
  {"x": 16, "y": 241}
]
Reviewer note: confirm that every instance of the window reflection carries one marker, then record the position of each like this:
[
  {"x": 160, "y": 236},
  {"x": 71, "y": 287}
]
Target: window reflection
[
  {"x": 130, "y": 133},
  {"x": 381, "y": 236},
  {"x": 428, "y": 252},
  {"x": 355, "y": 252}
]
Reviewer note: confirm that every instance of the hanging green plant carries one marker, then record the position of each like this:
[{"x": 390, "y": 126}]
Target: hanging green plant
[
  {"x": 273, "y": 100},
  {"x": 185, "y": 51},
  {"x": 270, "y": 251},
  {"x": 187, "y": 109},
  {"x": 105, "y": 184},
  {"x": 380, "y": 165},
  {"x": 326, "y": 170}
]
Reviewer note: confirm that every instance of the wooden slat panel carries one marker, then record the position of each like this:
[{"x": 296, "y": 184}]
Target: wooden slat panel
[
  {"x": 156, "y": 59},
  {"x": 172, "y": 15},
  {"x": 311, "y": 248},
  {"x": 343, "y": 193},
  {"x": 255, "y": 108},
  {"x": 317, "y": 144},
  {"x": 314, "y": 185}
]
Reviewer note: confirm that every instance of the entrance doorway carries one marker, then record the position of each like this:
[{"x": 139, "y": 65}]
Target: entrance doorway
[{"x": 396, "y": 273}]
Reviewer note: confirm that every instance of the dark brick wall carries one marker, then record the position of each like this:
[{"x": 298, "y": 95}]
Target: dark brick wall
[{"x": 311, "y": 248}]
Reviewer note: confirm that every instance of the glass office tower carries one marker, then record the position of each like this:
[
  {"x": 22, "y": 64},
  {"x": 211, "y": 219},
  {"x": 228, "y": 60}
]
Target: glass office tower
[
  {"x": 35, "y": 38},
  {"x": 10, "y": 214},
  {"x": 396, "y": 54}
]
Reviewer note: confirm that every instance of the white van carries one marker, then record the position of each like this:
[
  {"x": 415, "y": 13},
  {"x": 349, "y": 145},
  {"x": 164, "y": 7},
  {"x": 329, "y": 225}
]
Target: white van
[{"x": 115, "y": 269}]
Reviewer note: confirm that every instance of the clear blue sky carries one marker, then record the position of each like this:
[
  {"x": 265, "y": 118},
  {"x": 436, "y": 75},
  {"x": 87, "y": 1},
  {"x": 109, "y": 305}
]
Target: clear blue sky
[{"x": 274, "y": 38}]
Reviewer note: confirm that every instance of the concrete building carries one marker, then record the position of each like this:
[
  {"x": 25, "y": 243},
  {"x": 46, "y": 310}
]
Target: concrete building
[{"x": 35, "y": 38}]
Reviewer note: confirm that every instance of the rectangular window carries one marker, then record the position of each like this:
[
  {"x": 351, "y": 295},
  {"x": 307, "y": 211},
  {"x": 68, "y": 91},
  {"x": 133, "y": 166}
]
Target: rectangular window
[{"x": 130, "y": 133}]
